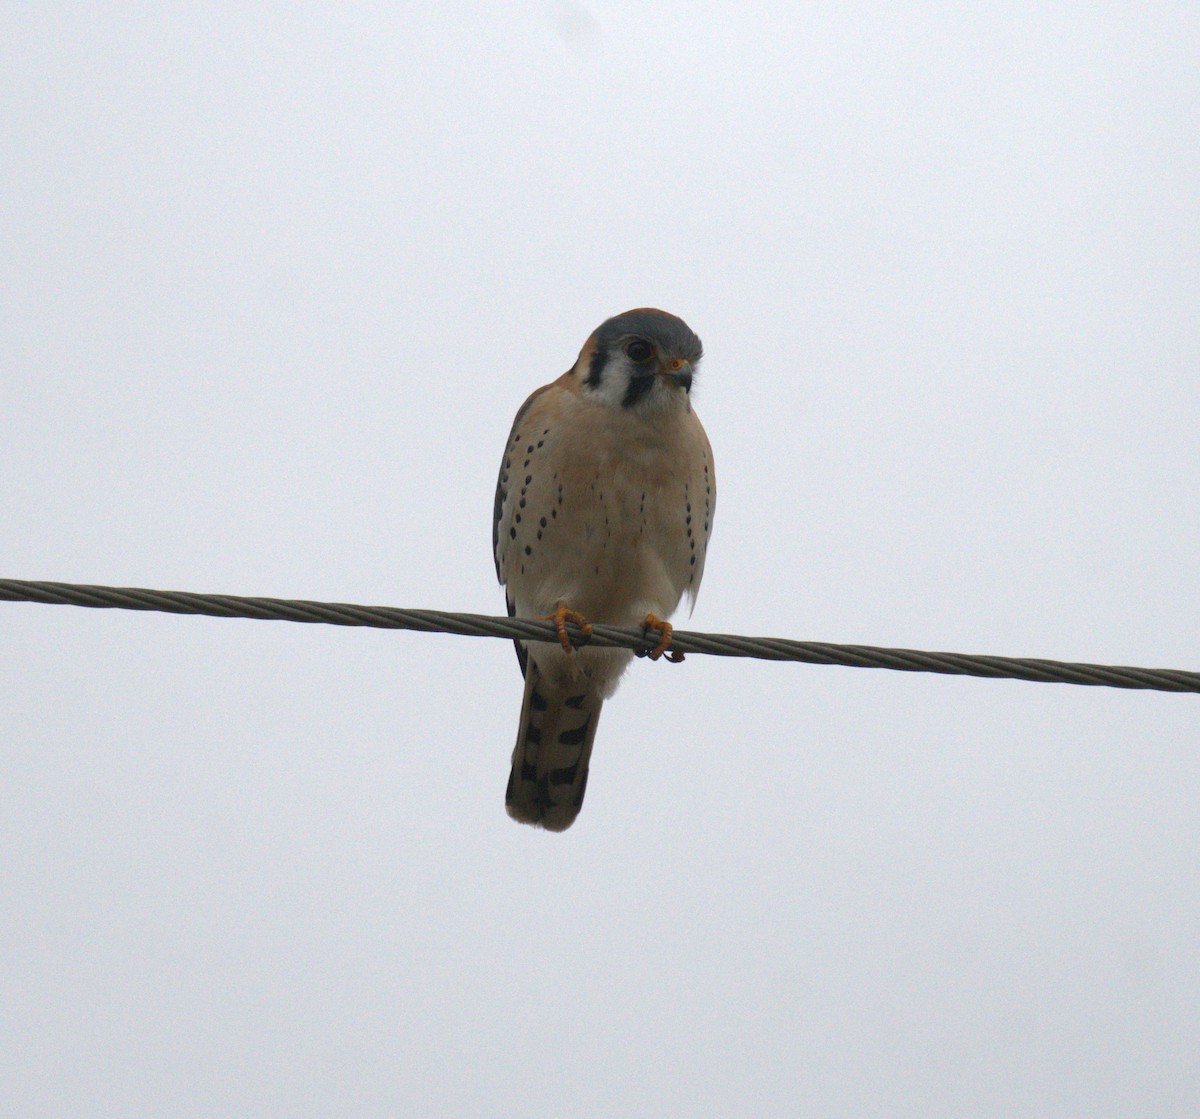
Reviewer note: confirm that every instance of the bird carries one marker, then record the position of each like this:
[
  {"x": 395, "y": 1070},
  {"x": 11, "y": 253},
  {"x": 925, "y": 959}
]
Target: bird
[{"x": 603, "y": 512}]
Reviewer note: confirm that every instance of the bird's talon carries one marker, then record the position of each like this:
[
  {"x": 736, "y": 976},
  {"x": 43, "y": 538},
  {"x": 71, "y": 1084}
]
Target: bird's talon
[
  {"x": 560, "y": 617},
  {"x": 666, "y": 631}
]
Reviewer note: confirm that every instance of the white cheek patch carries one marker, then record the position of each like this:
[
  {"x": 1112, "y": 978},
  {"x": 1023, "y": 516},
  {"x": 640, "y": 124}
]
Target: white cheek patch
[{"x": 615, "y": 375}]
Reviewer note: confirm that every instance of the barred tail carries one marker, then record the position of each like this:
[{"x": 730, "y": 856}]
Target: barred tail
[{"x": 550, "y": 760}]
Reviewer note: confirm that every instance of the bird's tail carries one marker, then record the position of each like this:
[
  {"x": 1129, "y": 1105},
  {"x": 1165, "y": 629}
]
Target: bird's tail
[{"x": 550, "y": 760}]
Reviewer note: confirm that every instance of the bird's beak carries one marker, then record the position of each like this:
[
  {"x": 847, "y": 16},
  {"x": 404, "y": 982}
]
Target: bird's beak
[{"x": 678, "y": 373}]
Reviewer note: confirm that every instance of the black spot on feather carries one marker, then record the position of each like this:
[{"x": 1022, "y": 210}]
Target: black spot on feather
[{"x": 575, "y": 737}]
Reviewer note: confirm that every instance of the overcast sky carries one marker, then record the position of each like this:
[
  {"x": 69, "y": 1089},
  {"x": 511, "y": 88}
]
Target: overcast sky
[{"x": 274, "y": 280}]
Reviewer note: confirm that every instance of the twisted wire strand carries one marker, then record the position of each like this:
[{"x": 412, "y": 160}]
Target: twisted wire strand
[{"x": 684, "y": 641}]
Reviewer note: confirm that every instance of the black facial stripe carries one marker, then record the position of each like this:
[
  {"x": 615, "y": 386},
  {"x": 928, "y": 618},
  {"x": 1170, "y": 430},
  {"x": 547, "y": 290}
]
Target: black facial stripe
[
  {"x": 595, "y": 369},
  {"x": 639, "y": 386}
]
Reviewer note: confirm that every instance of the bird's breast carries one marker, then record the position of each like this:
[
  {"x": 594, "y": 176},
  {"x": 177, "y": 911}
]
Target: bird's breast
[{"x": 605, "y": 512}]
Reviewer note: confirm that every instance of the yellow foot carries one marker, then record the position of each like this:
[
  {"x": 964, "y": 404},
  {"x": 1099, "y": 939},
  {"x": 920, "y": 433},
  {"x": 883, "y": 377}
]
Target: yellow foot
[
  {"x": 665, "y": 630},
  {"x": 560, "y": 617}
]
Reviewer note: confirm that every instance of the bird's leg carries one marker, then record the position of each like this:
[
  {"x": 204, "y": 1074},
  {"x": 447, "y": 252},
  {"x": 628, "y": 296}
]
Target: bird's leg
[
  {"x": 665, "y": 630},
  {"x": 561, "y": 616}
]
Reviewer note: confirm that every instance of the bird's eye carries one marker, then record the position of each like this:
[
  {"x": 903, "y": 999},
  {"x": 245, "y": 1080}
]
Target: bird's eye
[{"x": 639, "y": 350}]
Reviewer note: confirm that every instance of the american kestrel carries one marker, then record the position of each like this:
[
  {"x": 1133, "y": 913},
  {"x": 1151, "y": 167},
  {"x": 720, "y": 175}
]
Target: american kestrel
[{"x": 603, "y": 512}]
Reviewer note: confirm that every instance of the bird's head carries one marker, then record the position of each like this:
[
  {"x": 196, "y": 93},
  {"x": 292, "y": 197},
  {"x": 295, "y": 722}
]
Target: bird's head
[{"x": 643, "y": 360}]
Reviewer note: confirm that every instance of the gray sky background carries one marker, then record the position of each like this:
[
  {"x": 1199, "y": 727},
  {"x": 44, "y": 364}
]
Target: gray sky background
[{"x": 275, "y": 281}]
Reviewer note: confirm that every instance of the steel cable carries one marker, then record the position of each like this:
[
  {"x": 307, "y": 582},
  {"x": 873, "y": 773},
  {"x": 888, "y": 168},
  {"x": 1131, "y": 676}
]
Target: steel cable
[{"x": 684, "y": 641}]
